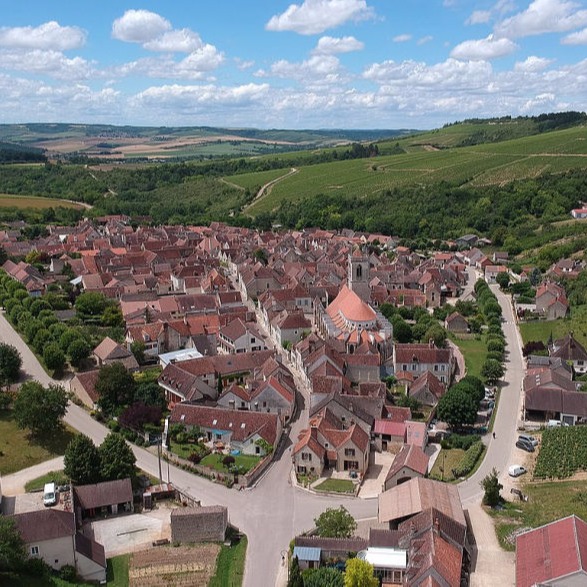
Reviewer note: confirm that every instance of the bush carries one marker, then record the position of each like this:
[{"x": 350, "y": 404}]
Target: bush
[
  {"x": 195, "y": 458},
  {"x": 462, "y": 441},
  {"x": 68, "y": 573},
  {"x": 469, "y": 460}
]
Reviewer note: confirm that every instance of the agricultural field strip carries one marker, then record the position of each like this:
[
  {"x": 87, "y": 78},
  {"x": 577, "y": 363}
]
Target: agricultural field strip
[
  {"x": 563, "y": 452},
  {"x": 16, "y": 201}
]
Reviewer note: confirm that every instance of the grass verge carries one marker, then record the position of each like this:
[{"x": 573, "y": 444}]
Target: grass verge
[
  {"x": 475, "y": 351},
  {"x": 336, "y": 486},
  {"x": 117, "y": 570},
  {"x": 230, "y": 566},
  {"x": 57, "y": 477},
  {"x": 447, "y": 460}
]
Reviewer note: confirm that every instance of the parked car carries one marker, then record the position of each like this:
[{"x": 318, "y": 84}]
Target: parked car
[
  {"x": 555, "y": 424},
  {"x": 524, "y": 445},
  {"x": 531, "y": 439},
  {"x": 516, "y": 470}
]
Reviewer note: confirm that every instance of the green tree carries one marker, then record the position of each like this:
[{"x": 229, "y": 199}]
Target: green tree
[
  {"x": 475, "y": 386},
  {"x": 91, "y": 305},
  {"x": 150, "y": 394},
  {"x": 67, "y": 337},
  {"x": 359, "y": 573},
  {"x": 54, "y": 357},
  {"x": 112, "y": 316},
  {"x": 10, "y": 364},
  {"x": 38, "y": 408},
  {"x": 78, "y": 351},
  {"x": 137, "y": 348},
  {"x": 492, "y": 487},
  {"x": 82, "y": 461},
  {"x": 437, "y": 334},
  {"x": 323, "y": 577},
  {"x": 115, "y": 387},
  {"x": 503, "y": 279},
  {"x": 457, "y": 407},
  {"x": 295, "y": 575},
  {"x": 335, "y": 523},
  {"x": 492, "y": 370},
  {"x": 117, "y": 460},
  {"x": 13, "y": 556}
]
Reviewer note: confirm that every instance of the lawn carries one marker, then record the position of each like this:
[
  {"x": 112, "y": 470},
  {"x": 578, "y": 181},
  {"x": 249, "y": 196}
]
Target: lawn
[
  {"x": 37, "y": 484},
  {"x": 230, "y": 566},
  {"x": 546, "y": 502},
  {"x": 117, "y": 571},
  {"x": 543, "y": 329},
  {"x": 474, "y": 350},
  {"x": 18, "y": 450},
  {"x": 447, "y": 460},
  {"x": 336, "y": 486},
  {"x": 214, "y": 461}
]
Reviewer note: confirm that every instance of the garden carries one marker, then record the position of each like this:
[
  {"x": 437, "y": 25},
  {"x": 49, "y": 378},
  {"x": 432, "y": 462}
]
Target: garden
[{"x": 563, "y": 452}]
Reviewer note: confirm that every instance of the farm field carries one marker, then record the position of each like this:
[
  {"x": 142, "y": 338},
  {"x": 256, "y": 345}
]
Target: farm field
[
  {"x": 563, "y": 452},
  {"x": 255, "y": 180},
  {"x": 38, "y": 202},
  {"x": 487, "y": 164}
]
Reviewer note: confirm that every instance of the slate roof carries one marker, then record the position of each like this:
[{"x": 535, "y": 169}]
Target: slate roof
[
  {"x": 103, "y": 494},
  {"x": 46, "y": 524}
]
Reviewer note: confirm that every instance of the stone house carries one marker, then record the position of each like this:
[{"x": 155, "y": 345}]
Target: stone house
[{"x": 199, "y": 524}]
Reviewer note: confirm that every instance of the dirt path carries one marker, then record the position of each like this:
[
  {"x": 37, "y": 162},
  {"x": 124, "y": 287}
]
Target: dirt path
[
  {"x": 266, "y": 189},
  {"x": 14, "y": 483}
]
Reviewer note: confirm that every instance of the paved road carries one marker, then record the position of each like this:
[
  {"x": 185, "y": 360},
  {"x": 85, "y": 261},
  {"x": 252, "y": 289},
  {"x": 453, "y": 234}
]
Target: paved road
[
  {"x": 499, "y": 450},
  {"x": 270, "y": 514}
]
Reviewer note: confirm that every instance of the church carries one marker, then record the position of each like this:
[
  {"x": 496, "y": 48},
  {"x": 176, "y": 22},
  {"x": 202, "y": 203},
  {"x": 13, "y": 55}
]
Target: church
[{"x": 350, "y": 319}]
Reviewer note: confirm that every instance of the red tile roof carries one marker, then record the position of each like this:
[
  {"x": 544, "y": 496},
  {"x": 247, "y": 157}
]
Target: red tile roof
[{"x": 551, "y": 552}]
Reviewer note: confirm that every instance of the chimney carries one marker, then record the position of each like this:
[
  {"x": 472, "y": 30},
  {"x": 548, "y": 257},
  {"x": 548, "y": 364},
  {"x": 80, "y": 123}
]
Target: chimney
[{"x": 437, "y": 524}]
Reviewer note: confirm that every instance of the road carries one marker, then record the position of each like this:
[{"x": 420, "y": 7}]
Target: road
[
  {"x": 499, "y": 450},
  {"x": 270, "y": 514}
]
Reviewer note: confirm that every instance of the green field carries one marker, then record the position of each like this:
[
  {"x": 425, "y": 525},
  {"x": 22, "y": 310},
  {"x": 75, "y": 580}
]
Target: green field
[
  {"x": 10, "y": 201},
  {"x": 19, "y": 451},
  {"x": 336, "y": 486},
  {"x": 447, "y": 460},
  {"x": 544, "y": 329},
  {"x": 214, "y": 461},
  {"x": 230, "y": 566},
  {"x": 255, "y": 180},
  {"x": 486, "y": 164},
  {"x": 474, "y": 350}
]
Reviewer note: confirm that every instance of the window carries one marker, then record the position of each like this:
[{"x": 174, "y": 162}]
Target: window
[
  {"x": 306, "y": 456},
  {"x": 436, "y": 367},
  {"x": 349, "y": 452},
  {"x": 264, "y": 404},
  {"x": 34, "y": 550}
]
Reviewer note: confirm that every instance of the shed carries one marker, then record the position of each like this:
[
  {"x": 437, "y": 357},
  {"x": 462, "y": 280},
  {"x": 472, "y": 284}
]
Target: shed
[{"x": 308, "y": 556}]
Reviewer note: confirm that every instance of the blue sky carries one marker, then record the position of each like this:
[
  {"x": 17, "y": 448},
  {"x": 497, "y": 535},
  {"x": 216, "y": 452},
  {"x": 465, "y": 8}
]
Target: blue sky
[{"x": 283, "y": 64}]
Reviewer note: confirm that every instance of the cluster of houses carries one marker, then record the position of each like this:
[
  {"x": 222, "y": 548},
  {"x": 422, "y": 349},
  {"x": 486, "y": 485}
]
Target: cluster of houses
[{"x": 550, "y": 388}]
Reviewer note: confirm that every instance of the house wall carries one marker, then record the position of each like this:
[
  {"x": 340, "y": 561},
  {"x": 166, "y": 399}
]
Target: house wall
[
  {"x": 89, "y": 570},
  {"x": 360, "y": 457},
  {"x": 401, "y": 474},
  {"x": 311, "y": 461},
  {"x": 363, "y": 373},
  {"x": 275, "y": 403},
  {"x": 56, "y": 553}
]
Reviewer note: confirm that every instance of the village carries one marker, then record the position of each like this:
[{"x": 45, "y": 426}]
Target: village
[{"x": 327, "y": 351}]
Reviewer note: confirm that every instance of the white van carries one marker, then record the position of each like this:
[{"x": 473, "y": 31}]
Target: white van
[{"x": 49, "y": 494}]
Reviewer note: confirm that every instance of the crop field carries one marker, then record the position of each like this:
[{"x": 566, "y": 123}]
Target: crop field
[
  {"x": 9, "y": 201},
  {"x": 543, "y": 329},
  {"x": 255, "y": 180},
  {"x": 563, "y": 452},
  {"x": 487, "y": 164}
]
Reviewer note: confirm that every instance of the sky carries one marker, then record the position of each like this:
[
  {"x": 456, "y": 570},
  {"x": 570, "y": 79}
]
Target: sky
[{"x": 310, "y": 64}]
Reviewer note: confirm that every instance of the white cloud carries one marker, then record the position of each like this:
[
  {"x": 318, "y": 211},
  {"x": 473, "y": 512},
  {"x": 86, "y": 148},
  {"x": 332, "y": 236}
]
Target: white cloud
[
  {"x": 402, "y": 38},
  {"x": 316, "y": 16},
  {"x": 543, "y": 16},
  {"x": 542, "y": 102},
  {"x": 533, "y": 64},
  {"x": 183, "y": 41},
  {"x": 484, "y": 49},
  {"x": 333, "y": 45},
  {"x": 51, "y": 63},
  {"x": 201, "y": 96},
  {"x": 479, "y": 17},
  {"x": 195, "y": 66},
  {"x": 139, "y": 26},
  {"x": 50, "y": 35},
  {"x": 318, "y": 71},
  {"x": 578, "y": 38},
  {"x": 424, "y": 40}
]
